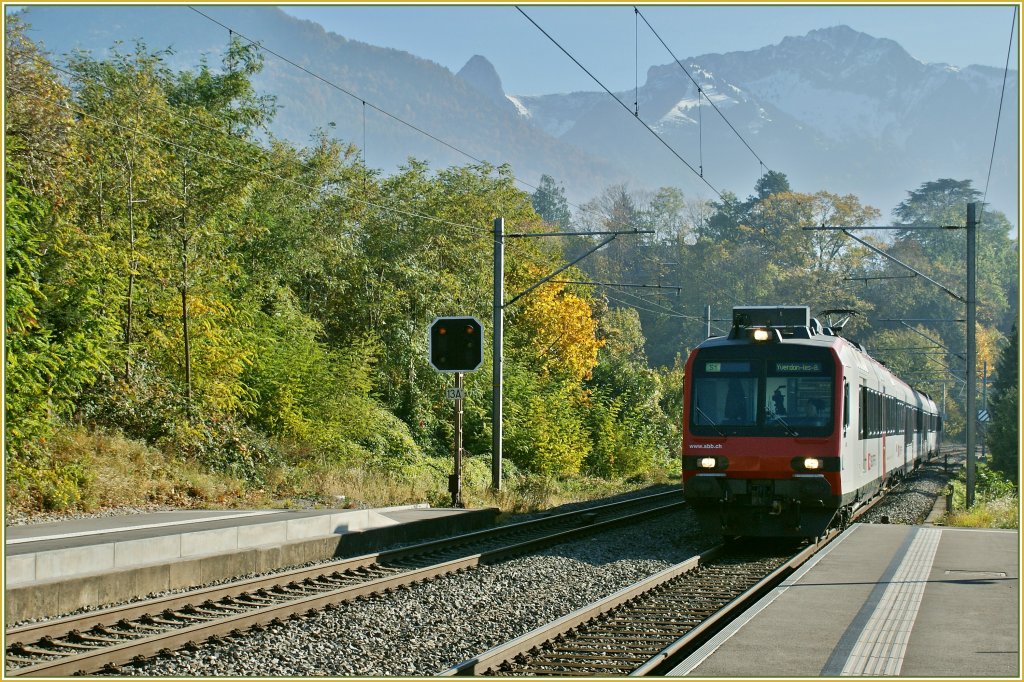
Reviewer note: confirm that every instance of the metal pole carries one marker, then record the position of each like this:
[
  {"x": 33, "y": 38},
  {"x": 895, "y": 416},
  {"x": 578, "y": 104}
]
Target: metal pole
[
  {"x": 972, "y": 359},
  {"x": 707, "y": 318},
  {"x": 984, "y": 406},
  {"x": 945, "y": 453},
  {"x": 496, "y": 351},
  {"x": 456, "y": 484}
]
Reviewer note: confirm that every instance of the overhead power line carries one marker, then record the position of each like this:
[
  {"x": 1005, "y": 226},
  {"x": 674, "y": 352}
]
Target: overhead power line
[
  {"x": 622, "y": 104},
  {"x": 700, "y": 90},
  {"x": 999, "y": 112},
  {"x": 365, "y": 103}
]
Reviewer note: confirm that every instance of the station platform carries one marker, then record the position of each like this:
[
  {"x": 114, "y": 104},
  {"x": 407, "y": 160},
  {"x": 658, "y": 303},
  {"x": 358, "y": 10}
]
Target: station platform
[
  {"x": 883, "y": 601},
  {"x": 53, "y": 568}
]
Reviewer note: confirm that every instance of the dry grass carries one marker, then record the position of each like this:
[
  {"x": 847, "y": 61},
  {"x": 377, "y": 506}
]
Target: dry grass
[
  {"x": 108, "y": 471},
  {"x": 1000, "y": 513}
]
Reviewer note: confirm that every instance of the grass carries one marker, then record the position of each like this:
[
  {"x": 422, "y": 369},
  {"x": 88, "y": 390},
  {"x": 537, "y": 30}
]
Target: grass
[
  {"x": 89, "y": 471},
  {"x": 996, "y": 501},
  {"x": 1003, "y": 512}
]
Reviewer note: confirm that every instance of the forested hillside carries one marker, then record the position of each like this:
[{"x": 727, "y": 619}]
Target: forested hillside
[{"x": 225, "y": 316}]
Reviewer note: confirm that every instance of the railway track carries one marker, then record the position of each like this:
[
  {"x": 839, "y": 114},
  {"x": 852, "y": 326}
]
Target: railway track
[
  {"x": 641, "y": 629},
  {"x": 646, "y": 627},
  {"x": 101, "y": 641}
]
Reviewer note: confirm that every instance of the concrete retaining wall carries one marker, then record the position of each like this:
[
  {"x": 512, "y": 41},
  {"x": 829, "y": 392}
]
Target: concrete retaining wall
[{"x": 53, "y": 596}]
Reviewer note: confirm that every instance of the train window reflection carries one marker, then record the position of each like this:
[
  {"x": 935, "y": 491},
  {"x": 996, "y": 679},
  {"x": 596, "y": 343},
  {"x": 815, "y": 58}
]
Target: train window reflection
[
  {"x": 725, "y": 401},
  {"x": 799, "y": 400}
]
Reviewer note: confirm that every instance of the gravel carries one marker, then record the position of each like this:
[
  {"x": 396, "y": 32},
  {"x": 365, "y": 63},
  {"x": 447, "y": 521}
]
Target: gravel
[
  {"x": 434, "y": 626},
  {"x": 911, "y": 500},
  {"x": 16, "y": 517}
]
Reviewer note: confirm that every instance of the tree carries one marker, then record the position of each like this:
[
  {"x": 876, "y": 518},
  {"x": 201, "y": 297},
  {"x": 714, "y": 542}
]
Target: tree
[
  {"x": 550, "y": 203},
  {"x": 941, "y": 254},
  {"x": 771, "y": 183},
  {"x": 1003, "y": 434},
  {"x": 59, "y": 314}
]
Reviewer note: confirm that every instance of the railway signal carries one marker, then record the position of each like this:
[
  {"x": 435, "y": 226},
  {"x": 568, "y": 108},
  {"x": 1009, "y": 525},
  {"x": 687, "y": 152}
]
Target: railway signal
[{"x": 456, "y": 344}]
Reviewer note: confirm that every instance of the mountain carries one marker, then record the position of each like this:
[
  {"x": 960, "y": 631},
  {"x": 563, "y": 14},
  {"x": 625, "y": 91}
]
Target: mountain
[
  {"x": 462, "y": 111},
  {"x": 481, "y": 75},
  {"x": 835, "y": 109}
]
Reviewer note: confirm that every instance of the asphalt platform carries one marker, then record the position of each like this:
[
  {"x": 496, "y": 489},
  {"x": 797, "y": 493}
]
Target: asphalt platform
[{"x": 883, "y": 601}]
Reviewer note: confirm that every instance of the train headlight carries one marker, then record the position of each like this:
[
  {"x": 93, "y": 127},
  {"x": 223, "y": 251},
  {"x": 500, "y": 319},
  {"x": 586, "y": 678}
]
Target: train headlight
[
  {"x": 707, "y": 463},
  {"x": 761, "y": 335},
  {"x": 812, "y": 463}
]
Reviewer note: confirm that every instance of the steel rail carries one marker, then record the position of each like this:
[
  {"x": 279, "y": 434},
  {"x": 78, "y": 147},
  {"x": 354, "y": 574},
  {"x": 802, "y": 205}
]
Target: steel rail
[
  {"x": 60, "y": 626},
  {"x": 257, "y": 615},
  {"x": 499, "y": 659},
  {"x": 492, "y": 658}
]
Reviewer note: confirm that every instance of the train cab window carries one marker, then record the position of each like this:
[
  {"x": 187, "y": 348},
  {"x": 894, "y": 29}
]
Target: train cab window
[
  {"x": 725, "y": 395},
  {"x": 725, "y": 401},
  {"x": 762, "y": 392},
  {"x": 798, "y": 394}
]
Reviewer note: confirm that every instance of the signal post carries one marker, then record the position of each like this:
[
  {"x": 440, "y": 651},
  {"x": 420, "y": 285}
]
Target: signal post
[{"x": 455, "y": 346}]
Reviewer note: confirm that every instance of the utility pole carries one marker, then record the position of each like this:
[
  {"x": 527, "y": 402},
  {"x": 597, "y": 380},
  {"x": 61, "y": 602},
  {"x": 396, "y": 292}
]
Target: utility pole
[
  {"x": 499, "y": 310},
  {"x": 972, "y": 352},
  {"x": 970, "y": 301},
  {"x": 497, "y": 342}
]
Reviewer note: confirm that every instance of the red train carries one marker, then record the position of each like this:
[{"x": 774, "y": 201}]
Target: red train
[{"x": 788, "y": 427}]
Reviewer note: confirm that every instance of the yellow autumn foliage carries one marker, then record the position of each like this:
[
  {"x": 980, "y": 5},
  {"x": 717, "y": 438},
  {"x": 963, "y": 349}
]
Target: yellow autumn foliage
[{"x": 564, "y": 331}]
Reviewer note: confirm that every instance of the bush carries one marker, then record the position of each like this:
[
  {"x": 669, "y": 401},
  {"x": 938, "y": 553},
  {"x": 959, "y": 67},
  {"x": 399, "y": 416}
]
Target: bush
[{"x": 996, "y": 504}]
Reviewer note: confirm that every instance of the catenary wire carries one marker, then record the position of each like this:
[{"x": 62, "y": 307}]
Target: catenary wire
[
  {"x": 81, "y": 112},
  {"x": 214, "y": 157},
  {"x": 699, "y": 89},
  {"x": 621, "y": 103},
  {"x": 365, "y": 104},
  {"x": 999, "y": 112},
  {"x": 192, "y": 120}
]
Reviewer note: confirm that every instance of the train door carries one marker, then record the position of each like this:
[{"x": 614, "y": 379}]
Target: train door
[
  {"x": 908, "y": 432},
  {"x": 883, "y": 433},
  {"x": 864, "y": 448}
]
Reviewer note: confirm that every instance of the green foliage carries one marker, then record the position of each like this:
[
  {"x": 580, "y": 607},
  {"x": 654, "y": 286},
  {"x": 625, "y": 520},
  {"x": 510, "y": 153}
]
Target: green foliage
[
  {"x": 31, "y": 363},
  {"x": 1003, "y": 433},
  {"x": 545, "y": 432},
  {"x": 550, "y": 203},
  {"x": 996, "y": 501},
  {"x": 255, "y": 314},
  {"x": 631, "y": 430}
]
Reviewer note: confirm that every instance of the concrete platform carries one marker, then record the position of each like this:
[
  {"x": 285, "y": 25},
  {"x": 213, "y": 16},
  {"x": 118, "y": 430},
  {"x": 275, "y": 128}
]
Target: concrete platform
[
  {"x": 54, "y": 568},
  {"x": 907, "y": 601}
]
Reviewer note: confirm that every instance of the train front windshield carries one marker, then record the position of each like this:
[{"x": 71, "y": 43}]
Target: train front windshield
[{"x": 762, "y": 391}]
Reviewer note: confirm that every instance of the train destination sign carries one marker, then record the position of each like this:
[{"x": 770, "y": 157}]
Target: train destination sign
[{"x": 798, "y": 367}]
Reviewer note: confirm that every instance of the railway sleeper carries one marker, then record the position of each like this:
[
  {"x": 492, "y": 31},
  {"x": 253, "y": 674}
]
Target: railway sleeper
[
  {"x": 573, "y": 667},
  {"x": 641, "y": 654},
  {"x": 603, "y": 638},
  {"x": 85, "y": 638}
]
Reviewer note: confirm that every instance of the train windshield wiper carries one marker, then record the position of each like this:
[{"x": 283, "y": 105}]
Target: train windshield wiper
[
  {"x": 710, "y": 420},
  {"x": 790, "y": 431}
]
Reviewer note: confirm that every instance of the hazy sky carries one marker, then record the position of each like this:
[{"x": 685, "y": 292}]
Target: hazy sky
[{"x": 606, "y": 40}]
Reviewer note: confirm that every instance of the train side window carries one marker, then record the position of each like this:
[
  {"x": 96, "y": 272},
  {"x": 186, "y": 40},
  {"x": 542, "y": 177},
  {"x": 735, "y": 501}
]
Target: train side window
[
  {"x": 863, "y": 417},
  {"x": 846, "y": 406}
]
